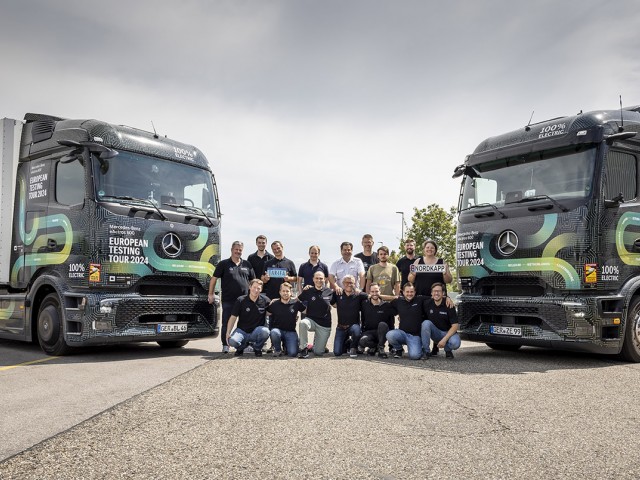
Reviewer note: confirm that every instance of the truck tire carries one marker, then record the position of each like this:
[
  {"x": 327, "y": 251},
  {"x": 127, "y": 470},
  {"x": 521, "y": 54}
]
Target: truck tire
[
  {"x": 503, "y": 347},
  {"x": 50, "y": 327},
  {"x": 631, "y": 344},
  {"x": 173, "y": 343}
]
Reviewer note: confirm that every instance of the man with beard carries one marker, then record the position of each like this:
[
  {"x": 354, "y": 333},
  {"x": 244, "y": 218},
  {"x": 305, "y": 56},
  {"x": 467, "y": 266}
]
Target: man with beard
[
  {"x": 318, "y": 316},
  {"x": 385, "y": 274},
  {"x": 277, "y": 270},
  {"x": 441, "y": 324},
  {"x": 249, "y": 310},
  {"x": 378, "y": 318},
  {"x": 404, "y": 264},
  {"x": 410, "y": 310},
  {"x": 284, "y": 316}
]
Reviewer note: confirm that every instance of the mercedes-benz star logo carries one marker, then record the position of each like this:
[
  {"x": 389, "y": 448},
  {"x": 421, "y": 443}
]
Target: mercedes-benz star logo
[
  {"x": 507, "y": 242},
  {"x": 172, "y": 245}
]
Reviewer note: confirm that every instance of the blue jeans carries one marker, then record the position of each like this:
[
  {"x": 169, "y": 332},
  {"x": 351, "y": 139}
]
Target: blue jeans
[
  {"x": 429, "y": 331},
  {"x": 342, "y": 334},
  {"x": 397, "y": 338},
  {"x": 290, "y": 338},
  {"x": 239, "y": 339}
]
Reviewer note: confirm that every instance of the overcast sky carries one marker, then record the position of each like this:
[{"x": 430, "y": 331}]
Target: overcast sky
[{"x": 323, "y": 118}]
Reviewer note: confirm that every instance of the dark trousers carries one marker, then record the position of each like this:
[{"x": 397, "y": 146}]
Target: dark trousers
[
  {"x": 341, "y": 337},
  {"x": 226, "y": 313},
  {"x": 375, "y": 338}
]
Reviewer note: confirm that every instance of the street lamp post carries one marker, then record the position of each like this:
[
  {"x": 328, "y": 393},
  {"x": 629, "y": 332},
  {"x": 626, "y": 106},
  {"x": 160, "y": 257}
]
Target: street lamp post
[{"x": 402, "y": 227}]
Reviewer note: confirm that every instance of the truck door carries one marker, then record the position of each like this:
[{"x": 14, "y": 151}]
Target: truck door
[{"x": 620, "y": 254}]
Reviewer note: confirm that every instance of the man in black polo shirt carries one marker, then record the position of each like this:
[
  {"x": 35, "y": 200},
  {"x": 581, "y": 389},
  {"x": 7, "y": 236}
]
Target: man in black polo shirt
[
  {"x": 307, "y": 269},
  {"x": 261, "y": 255},
  {"x": 250, "y": 311},
  {"x": 277, "y": 270},
  {"x": 284, "y": 316},
  {"x": 378, "y": 317},
  {"x": 348, "y": 306},
  {"x": 409, "y": 308},
  {"x": 404, "y": 264},
  {"x": 441, "y": 323},
  {"x": 367, "y": 255},
  {"x": 235, "y": 275},
  {"x": 318, "y": 316}
]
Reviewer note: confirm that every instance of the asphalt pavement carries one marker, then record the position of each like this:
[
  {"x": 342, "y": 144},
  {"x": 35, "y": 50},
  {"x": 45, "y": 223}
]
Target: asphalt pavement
[{"x": 485, "y": 414}]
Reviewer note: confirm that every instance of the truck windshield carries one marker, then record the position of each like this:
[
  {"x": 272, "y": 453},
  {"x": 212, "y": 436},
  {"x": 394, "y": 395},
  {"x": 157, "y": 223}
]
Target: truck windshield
[
  {"x": 161, "y": 182},
  {"x": 559, "y": 175}
]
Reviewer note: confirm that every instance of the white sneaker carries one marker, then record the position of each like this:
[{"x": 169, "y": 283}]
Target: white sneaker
[{"x": 225, "y": 349}]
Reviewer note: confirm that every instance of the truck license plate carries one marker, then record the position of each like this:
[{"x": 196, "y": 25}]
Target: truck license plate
[
  {"x": 500, "y": 330},
  {"x": 172, "y": 327}
]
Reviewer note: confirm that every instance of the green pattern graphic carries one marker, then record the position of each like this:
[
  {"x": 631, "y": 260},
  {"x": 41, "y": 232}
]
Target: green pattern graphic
[
  {"x": 622, "y": 238},
  {"x": 547, "y": 263}
]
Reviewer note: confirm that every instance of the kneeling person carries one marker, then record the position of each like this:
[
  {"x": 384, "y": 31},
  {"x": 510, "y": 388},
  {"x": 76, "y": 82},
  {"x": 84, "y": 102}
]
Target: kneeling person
[
  {"x": 249, "y": 310},
  {"x": 318, "y": 316},
  {"x": 284, "y": 316},
  {"x": 410, "y": 311},
  {"x": 378, "y": 317},
  {"x": 441, "y": 323},
  {"x": 348, "y": 304}
]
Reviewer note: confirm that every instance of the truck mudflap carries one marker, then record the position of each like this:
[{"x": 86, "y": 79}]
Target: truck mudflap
[
  {"x": 561, "y": 323},
  {"x": 143, "y": 319}
]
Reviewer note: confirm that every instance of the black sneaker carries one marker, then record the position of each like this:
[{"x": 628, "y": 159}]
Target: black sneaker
[
  {"x": 397, "y": 353},
  {"x": 426, "y": 356},
  {"x": 353, "y": 353},
  {"x": 435, "y": 350},
  {"x": 239, "y": 352},
  {"x": 257, "y": 352},
  {"x": 382, "y": 353},
  {"x": 304, "y": 353},
  {"x": 448, "y": 354},
  {"x": 371, "y": 351}
]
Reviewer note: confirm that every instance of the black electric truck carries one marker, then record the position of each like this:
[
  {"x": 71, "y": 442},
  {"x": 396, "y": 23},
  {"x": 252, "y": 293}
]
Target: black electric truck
[
  {"x": 108, "y": 234},
  {"x": 548, "y": 236}
]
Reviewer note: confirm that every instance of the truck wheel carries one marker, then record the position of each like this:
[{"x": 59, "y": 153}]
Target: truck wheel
[
  {"x": 173, "y": 343},
  {"x": 631, "y": 344},
  {"x": 50, "y": 329},
  {"x": 503, "y": 347}
]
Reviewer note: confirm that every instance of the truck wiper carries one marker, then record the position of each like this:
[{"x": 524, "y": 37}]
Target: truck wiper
[
  {"x": 193, "y": 208},
  {"x": 543, "y": 197},
  {"x": 144, "y": 201},
  {"x": 480, "y": 205}
]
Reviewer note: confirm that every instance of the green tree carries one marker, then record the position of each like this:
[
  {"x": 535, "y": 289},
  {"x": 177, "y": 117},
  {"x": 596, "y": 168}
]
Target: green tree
[{"x": 435, "y": 223}]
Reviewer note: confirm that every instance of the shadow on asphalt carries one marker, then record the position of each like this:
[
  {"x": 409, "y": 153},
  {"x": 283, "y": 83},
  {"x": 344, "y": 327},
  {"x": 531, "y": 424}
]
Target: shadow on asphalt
[
  {"x": 471, "y": 359},
  {"x": 13, "y": 352}
]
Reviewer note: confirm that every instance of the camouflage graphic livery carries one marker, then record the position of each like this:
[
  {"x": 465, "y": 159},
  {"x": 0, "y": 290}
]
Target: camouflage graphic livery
[
  {"x": 116, "y": 235},
  {"x": 548, "y": 240}
]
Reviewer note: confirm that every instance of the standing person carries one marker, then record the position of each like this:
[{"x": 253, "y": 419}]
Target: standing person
[
  {"x": 348, "y": 304},
  {"x": 235, "y": 275},
  {"x": 441, "y": 324},
  {"x": 409, "y": 308},
  {"x": 367, "y": 255},
  {"x": 261, "y": 255},
  {"x": 404, "y": 264},
  {"x": 307, "y": 269},
  {"x": 385, "y": 274},
  {"x": 250, "y": 311},
  {"x": 378, "y": 318},
  {"x": 277, "y": 270},
  {"x": 317, "y": 318},
  {"x": 282, "y": 326},
  {"x": 346, "y": 265},
  {"x": 437, "y": 270}
]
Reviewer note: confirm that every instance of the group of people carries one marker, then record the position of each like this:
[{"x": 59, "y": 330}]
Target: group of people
[{"x": 367, "y": 291}]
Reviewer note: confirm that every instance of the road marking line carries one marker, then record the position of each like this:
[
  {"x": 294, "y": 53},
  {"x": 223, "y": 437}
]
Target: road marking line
[{"x": 9, "y": 367}]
